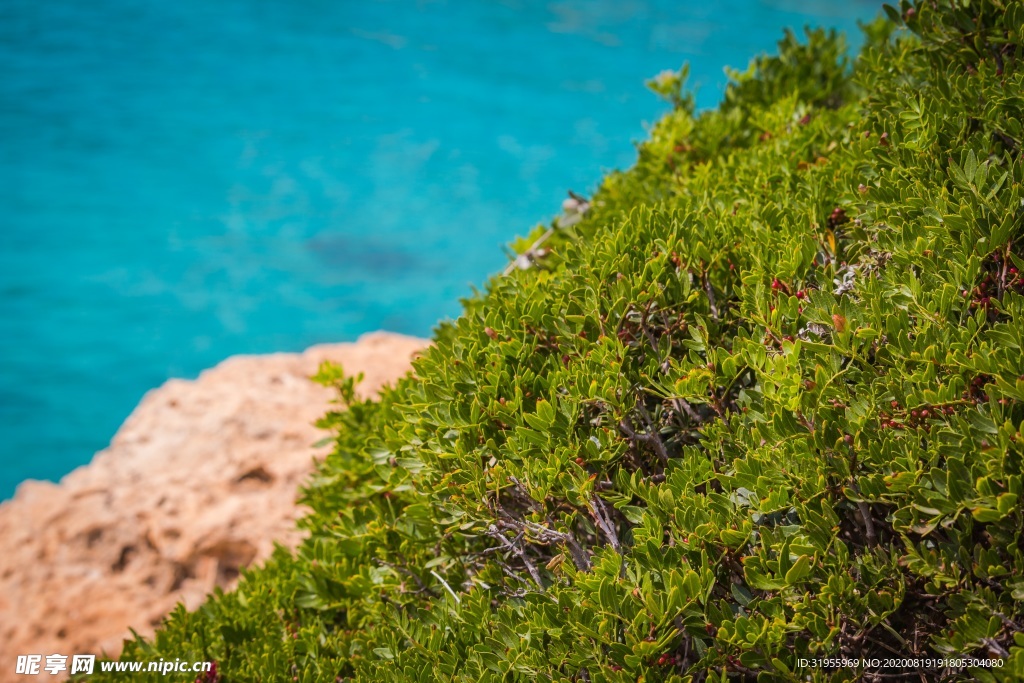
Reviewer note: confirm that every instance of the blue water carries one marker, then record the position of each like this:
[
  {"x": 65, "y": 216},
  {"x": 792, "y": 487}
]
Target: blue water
[{"x": 183, "y": 181}]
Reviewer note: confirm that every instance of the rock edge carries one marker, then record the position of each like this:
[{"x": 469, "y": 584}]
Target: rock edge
[{"x": 198, "y": 482}]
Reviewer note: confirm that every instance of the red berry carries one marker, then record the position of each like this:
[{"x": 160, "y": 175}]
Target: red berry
[
  {"x": 838, "y": 217},
  {"x": 801, "y": 294},
  {"x": 776, "y": 284}
]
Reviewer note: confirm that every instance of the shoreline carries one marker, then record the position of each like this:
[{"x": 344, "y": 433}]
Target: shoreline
[{"x": 198, "y": 482}]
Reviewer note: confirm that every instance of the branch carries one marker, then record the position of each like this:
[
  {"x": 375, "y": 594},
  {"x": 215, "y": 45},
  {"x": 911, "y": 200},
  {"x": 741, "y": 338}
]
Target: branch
[
  {"x": 643, "y": 326},
  {"x": 423, "y": 588},
  {"x": 437, "y": 576},
  {"x": 652, "y": 435},
  {"x": 711, "y": 296},
  {"x": 869, "y": 525},
  {"x": 529, "y": 256},
  {"x": 579, "y": 555},
  {"x": 493, "y": 532},
  {"x": 682, "y": 406},
  {"x": 627, "y": 428},
  {"x": 600, "y": 514},
  {"x": 1007, "y": 140},
  {"x": 995, "y": 648},
  {"x": 546, "y": 535}
]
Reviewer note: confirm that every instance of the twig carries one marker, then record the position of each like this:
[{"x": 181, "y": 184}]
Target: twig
[
  {"x": 493, "y": 532},
  {"x": 711, "y": 295},
  {"x": 1006, "y": 140},
  {"x": 579, "y": 556},
  {"x": 865, "y": 513},
  {"x": 530, "y": 254},
  {"x": 1005, "y": 272},
  {"x": 652, "y": 432},
  {"x": 683, "y": 406},
  {"x": 627, "y": 428},
  {"x": 878, "y": 642},
  {"x": 998, "y": 57},
  {"x": 995, "y": 648},
  {"x": 869, "y": 525},
  {"x": 444, "y": 583},
  {"x": 622, "y": 319},
  {"x": 604, "y": 522},
  {"x": 514, "y": 575},
  {"x": 408, "y": 572},
  {"x": 732, "y": 383},
  {"x": 643, "y": 326},
  {"x": 523, "y": 494}
]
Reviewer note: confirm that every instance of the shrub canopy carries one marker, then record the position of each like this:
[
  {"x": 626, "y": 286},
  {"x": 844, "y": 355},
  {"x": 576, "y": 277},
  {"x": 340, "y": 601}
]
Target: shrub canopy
[{"x": 759, "y": 399}]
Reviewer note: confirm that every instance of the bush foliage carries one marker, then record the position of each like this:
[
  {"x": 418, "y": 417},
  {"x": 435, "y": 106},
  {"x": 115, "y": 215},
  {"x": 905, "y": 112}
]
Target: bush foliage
[{"x": 759, "y": 399}]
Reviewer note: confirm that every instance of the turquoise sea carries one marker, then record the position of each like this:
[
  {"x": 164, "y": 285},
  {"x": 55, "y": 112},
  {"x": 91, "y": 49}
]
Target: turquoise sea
[{"x": 180, "y": 182}]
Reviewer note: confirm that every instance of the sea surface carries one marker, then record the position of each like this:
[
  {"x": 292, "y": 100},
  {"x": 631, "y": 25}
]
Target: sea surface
[{"x": 184, "y": 181}]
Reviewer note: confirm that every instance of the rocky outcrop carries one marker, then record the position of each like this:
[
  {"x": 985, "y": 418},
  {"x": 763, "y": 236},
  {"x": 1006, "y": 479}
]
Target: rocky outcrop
[{"x": 199, "y": 482}]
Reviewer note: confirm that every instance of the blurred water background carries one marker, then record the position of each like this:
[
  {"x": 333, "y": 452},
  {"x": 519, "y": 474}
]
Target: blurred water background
[{"x": 183, "y": 181}]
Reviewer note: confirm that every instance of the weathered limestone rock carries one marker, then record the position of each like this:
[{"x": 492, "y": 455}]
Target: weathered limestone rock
[{"x": 199, "y": 482}]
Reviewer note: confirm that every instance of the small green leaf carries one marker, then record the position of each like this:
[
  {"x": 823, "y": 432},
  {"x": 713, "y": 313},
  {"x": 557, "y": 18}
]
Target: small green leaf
[{"x": 800, "y": 569}]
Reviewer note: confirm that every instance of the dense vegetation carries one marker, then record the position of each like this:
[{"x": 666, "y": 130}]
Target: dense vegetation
[{"x": 759, "y": 399}]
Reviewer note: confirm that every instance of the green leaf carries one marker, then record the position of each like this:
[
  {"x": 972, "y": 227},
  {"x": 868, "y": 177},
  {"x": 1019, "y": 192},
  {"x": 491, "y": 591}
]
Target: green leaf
[{"x": 800, "y": 570}]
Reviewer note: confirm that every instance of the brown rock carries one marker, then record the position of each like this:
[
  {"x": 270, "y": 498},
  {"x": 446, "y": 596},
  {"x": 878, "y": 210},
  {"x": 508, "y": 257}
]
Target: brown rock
[{"x": 199, "y": 482}]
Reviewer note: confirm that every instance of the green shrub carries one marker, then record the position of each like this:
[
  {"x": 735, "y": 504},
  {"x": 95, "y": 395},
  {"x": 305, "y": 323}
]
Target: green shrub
[{"x": 762, "y": 403}]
